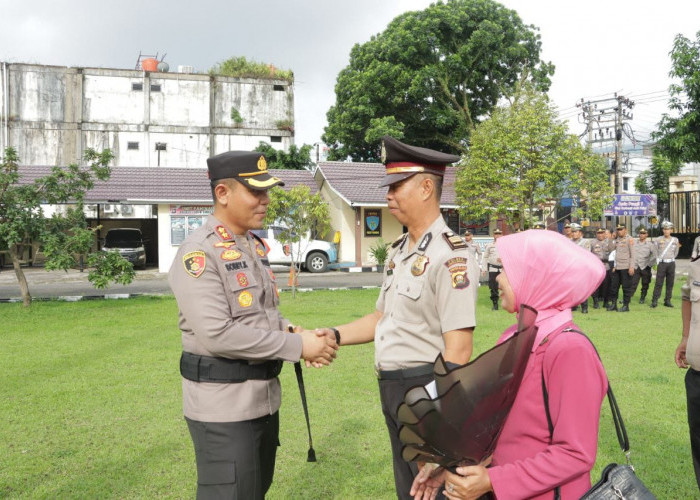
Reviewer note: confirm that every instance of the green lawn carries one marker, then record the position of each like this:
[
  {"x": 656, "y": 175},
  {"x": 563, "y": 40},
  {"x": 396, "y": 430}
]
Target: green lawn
[{"x": 90, "y": 403}]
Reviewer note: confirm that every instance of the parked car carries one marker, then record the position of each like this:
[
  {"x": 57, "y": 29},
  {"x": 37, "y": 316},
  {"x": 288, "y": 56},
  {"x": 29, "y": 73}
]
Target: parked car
[
  {"x": 314, "y": 255},
  {"x": 129, "y": 243}
]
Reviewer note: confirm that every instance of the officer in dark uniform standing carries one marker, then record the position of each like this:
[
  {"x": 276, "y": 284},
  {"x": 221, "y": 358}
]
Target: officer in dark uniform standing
[
  {"x": 426, "y": 305},
  {"x": 234, "y": 339},
  {"x": 601, "y": 246},
  {"x": 645, "y": 251},
  {"x": 623, "y": 270},
  {"x": 493, "y": 266},
  {"x": 667, "y": 248}
]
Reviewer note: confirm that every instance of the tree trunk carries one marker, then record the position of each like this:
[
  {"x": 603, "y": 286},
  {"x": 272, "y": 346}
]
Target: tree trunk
[{"x": 21, "y": 278}]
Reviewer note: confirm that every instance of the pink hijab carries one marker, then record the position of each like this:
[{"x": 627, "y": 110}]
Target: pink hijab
[{"x": 549, "y": 273}]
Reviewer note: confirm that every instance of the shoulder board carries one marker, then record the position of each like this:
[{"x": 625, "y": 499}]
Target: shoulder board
[
  {"x": 454, "y": 241},
  {"x": 399, "y": 240},
  {"x": 255, "y": 236}
]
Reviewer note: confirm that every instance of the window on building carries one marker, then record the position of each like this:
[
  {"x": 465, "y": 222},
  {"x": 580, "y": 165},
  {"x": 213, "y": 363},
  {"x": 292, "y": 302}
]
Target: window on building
[
  {"x": 625, "y": 183},
  {"x": 275, "y": 138},
  {"x": 137, "y": 86},
  {"x": 279, "y": 88},
  {"x": 155, "y": 87},
  {"x": 132, "y": 145}
]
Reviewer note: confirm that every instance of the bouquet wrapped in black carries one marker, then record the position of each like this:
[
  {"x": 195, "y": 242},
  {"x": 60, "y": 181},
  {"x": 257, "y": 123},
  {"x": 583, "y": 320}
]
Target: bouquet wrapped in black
[{"x": 456, "y": 420}]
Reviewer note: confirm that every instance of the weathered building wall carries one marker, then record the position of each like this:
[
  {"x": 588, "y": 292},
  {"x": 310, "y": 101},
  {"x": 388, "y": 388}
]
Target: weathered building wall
[{"x": 50, "y": 114}]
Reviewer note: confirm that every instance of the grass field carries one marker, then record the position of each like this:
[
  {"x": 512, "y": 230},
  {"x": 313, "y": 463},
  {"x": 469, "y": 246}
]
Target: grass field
[{"x": 90, "y": 403}]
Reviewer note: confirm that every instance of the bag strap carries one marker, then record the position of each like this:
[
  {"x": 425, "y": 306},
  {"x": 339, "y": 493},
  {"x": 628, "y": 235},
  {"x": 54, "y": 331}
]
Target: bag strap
[{"x": 620, "y": 429}]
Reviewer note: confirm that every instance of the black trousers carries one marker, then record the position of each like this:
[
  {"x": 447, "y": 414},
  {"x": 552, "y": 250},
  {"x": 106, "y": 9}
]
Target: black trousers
[
  {"x": 665, "y": 271},
  {"x": 692, "y": 391},
  {"x": 601, "y": 293},
  {"x": 493, "y": 284},
  {"x": 391, "y": 393},
  {"x": 621, "y": 277},
  {"x": 645, "y": 276},
  {"x": 235, "y": 460}
]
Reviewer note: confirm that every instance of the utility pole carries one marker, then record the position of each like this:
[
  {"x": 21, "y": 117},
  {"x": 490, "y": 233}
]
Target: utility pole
[{"x": 605, "y": 120}]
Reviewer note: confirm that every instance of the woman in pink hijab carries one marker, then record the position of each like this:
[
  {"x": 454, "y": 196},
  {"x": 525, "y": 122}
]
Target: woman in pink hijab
[{"x": 550, "y": 274}]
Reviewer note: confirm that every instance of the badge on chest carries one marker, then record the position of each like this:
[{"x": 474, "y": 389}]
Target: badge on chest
[{"x": 419, "y": 265}]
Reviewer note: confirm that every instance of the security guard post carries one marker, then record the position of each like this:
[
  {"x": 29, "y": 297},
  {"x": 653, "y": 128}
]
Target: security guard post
[
  {"x": 623, "y": 270},
  {"x": 645, "y": 258},
  {"x": 667, "y": 247},
  {"x": 426, "y": 304},
  {"x": 493, "y": 266},
  {"x": 578, "y": 239},
  {"x": 234, "y": 339},
  {"x": 601, "y": 246}
]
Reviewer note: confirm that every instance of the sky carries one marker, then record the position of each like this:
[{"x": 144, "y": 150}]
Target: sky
[{"x": 599, "y": 47}]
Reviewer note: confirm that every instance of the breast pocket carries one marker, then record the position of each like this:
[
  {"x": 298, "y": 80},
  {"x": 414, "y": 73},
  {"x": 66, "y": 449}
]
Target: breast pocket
[
  {"x": 408, "y": 306},
  {"x": 244, "y": 292}
]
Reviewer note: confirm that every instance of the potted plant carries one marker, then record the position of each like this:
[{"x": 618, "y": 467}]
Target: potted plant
[{"x": 380, "y": 252}]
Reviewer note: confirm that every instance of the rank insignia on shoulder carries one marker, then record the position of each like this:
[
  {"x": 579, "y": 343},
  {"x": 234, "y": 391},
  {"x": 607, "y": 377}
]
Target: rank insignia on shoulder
[
  {"x": 245, "y": 298},
  {"x": 398, "y": 240},
  {"x": 231, "y": 254},
  {"x": 225, "y": 244},
  {"x": 454, "y": 240},
  {"x": 242, "y": 279},
  {"x": 458, "y": 269},
  {"x": 195, "y": 263},
  {"x": 419, "y": 265},
  {"x": 222, "y": 232}
]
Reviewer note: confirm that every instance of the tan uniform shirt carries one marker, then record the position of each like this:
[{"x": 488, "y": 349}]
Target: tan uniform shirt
[
  {"x": 691, "y": 291},
  {"x": 228, "y": 302},
  {"x": 491, "y": 257},
  {"x": 645, "y": 252},
  {"x": 602, "y": 250},
  {"x": 427, "y": 290},
  {"x": 624, "y": 253},
  {"x": 474, "y": 252},
  {"x": 696, "y": 248},
  {"x": 673, "y": 245},
  {"x": 583, "y": 243}
]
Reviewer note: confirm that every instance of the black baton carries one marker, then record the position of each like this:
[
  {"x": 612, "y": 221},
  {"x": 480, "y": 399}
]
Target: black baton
[{"x": 311, "y": 457}]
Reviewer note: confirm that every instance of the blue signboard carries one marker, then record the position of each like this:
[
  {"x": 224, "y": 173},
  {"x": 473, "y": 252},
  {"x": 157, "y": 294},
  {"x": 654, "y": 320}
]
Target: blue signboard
[{"x": 632, "y": 204}]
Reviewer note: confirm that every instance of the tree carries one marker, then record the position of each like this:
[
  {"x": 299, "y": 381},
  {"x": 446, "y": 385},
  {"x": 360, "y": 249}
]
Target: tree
[
  {"x": 655, "y": 180},
  {"x": 522, "y": 158},
  {"x": 430, "y": 76},
  {"x": 63, "y": 237},
  {"x": 295, "y": 159},
  {"x": 300, "y": 213},
  {"x": 678, "y": 137}
]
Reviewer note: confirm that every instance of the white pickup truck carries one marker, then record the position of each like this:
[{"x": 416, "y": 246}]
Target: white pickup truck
[{"x": 314, "y": 255}]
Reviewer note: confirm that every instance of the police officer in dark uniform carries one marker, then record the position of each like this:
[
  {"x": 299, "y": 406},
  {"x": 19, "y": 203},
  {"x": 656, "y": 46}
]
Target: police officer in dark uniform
[
  {"x": 601, "y": 247},
  {"x": 234, "y": 339},
  {"x": 645, "y": 251},
  {"x": 623, "y": 270},
  {"x": 427, "y": 302}
]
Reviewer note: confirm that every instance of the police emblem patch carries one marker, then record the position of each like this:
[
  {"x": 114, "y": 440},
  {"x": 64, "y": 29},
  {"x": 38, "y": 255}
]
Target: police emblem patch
[
  {"x": 245, "y": 298},
  {"x": 230, "y": 254},
  {"x": 458, "y": 269},
  {"x": 242, "y": 279},
  {"x": 262, "y": 163},
  {"x": 419, "y": 265},
  {"x": 195, "y": 263},
  {"x": 222, "y": 232}
]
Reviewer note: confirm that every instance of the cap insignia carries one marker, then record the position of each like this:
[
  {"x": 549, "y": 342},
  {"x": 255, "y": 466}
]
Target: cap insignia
[
  {"x": 195, "y": 263},
  {"x": 262, "y": 163}
]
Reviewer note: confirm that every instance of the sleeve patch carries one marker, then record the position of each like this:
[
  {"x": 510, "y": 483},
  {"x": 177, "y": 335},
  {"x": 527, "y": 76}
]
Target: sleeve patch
[
  {"x": 457, "y": 266},
  {"x": 195, "y": 263}
]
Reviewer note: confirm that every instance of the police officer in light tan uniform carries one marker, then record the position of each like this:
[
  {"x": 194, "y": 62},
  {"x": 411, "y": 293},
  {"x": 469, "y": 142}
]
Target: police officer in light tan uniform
[
  {"x": 645, "y": 252},
  {"x": 578, "y": 239},
  {"x": 426, "y": 304},
  {"x": 234, "y": 339},
  {"x": 601, "y": 246},
  {"x": 493, "y": 267},
  {"x": 667, "y": 248},
  {"x": 623, "y": 270}
]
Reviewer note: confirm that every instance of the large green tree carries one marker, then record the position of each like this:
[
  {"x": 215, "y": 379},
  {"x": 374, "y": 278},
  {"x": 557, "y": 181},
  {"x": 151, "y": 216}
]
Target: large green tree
[
  {"x": 678, "y": 135},
  {"x": 295, "y": 159},
  {"x": 65, "y": 236},
  {"x": 522, "y": 158},
  {"x": 655, "y": 180},
  {"x": 430, "y": 77}
]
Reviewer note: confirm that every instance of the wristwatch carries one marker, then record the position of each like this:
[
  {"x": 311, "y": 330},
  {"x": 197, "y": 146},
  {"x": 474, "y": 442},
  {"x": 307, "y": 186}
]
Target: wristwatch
[{"x": 337, "y": 335}]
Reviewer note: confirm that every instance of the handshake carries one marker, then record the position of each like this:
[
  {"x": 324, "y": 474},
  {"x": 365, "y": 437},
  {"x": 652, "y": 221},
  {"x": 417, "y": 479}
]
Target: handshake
[{"x": 319, "y": 347}]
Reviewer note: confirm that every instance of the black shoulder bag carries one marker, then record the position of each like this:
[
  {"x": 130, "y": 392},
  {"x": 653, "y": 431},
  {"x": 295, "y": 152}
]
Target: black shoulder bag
[{"x": 618, "y": 481}]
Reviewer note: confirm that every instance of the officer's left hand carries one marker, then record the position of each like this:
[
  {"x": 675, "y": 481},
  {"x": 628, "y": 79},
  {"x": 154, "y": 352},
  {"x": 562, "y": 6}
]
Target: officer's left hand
[{"x": 630, "y": 271}]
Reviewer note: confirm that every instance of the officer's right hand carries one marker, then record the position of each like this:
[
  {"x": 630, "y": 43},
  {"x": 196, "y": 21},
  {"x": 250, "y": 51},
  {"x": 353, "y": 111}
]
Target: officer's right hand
[{"x": 317, "y": 349}]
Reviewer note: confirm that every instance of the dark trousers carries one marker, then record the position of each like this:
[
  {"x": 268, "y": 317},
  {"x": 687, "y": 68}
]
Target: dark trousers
[
  {"x": 621, "y": 277},
  {"x": 391, "y": 393},
  {"x": 493, "y": 284},
  {"x": 692, "y": 391},
  {"x": 665, "y": 271},
  {"x": 235, "y": 460},
  {"x": 645, "y": 276},
  {"x": 601, "y": 293}
]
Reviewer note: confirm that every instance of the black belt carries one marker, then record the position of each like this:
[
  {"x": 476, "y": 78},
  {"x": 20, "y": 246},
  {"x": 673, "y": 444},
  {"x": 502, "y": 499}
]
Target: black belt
[
  {"x": 495, "y": 267},
  {"x": 225, "y": 371},
  {"x": 416, "y": 371}
]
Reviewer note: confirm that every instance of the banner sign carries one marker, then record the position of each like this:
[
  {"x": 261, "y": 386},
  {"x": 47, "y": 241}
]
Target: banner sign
[{"x": 632, "y": 204}]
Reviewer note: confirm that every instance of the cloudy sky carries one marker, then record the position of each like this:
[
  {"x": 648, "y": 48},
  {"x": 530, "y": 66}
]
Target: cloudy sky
[{"x": 598, "y": 46}]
